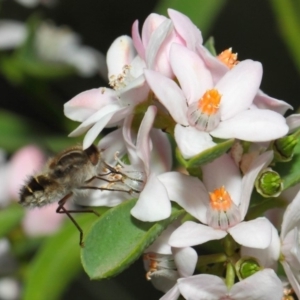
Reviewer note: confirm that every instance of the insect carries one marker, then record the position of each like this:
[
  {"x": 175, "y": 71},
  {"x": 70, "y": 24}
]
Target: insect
[
  {"x": 72, "y": 172},
  {"x": 66, "y": 174}
]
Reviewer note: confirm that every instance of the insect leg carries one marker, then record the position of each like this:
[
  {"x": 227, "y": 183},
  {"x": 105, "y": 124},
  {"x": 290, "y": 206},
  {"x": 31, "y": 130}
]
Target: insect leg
[{"x": 62, "y": 210}]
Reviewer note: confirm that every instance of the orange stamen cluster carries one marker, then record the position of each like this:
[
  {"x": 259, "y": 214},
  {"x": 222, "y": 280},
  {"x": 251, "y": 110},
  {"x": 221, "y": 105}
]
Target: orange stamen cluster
[
  {"x": 210, "y": 102},
  {"x": 220, "y": 200},
  {"x": 228, "y": 58}
]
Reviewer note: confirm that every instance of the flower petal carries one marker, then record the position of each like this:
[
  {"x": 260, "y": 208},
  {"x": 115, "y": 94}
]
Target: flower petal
[
  {"x": 85, "y": 104},
  {"x": 195, "y": 79},
  {"x": 192, "y": 234},
  {"x": 264, "y": 101},
  {"x": 153, "y": 203},
  {"x": 120, "y": 53},
  {"x": 137, "y": 41},
  {"x": 202, "y": 286},
  {"x": 248, "y": 180},
  {"x": 169, "y": 94},
  {"x": 223, "y": 172},
  {"x": 256, "y": 125},
  {"x": 293, "y": 121},
  {"x": 172, "y": 294},
  {"x": 191, "y": 141},
  {"x": 189, "y": 192},
  {"x": 103, "y": 115},
  {"x": 238, "y": 88},
  {"x": 264, "y": 284},
  {"x": 291, "y": 216},
  {"x": 255, "y": 233},
  {"x": 143, "y": 143},
  {"x": 12, "y": 34},
  {"x": 293, "y": 280},
  {"x": 186, "y": 29},
  {"x": 161, "y": 154},
  {"x": 185, "y": 260},
  {"x": 268, "y": 258},
  {"x": 156, "y": 40}
]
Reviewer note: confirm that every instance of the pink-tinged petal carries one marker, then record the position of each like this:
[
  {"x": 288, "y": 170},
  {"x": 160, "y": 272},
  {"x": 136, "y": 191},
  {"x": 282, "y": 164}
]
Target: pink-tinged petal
[
  {"x": 153, "y": 203},
  {"x": 94, "y": 131},
  {"x": 152, "y": 22},
  {"x": 135, "y": 92},
  {"x": 217, "y": 68},
  {"x": 12, "y": 34},
  {"x": 223, "y": 172},
  {"x": 293, "y": 121},
  {"x": 256, "y": 166},
  {"x": 292, "y": 278},
  {"x": 291, "y": 216},
  {"x": 256, "y": 125},
  {"x": 161, "y": 155},
  {"x": 104, "y": 113},
  {"x": 156, "y": 40},
  {"x": 85, "y": 104},
  {"x": 186, "y": 29},
  {"x": 189, "y": 192},
  {"x": 264, "y": 285},
  {"x": 238, "y": 88},
  {"x": 120, "y": 53},
  {"x": 264, "y": 101},
  {"x": 130, "y": 146},
  {"x": 143, "y": 142},
  {"x": 202, "y": 286},
  {"x": 110, "y": 144},
  {"x": 137, "y": 41},
  {"x": 185, "y": 260},
  {"x": 192, "y": 234},
  {"x": 161, "y": 244},
  {"x": 254, "y": 234},
  {"x": 194, "y": 78},
  {"x": 169, "y": 94},
  {"x": 42, "y": 221},
  {"x": 268, "y": 258},
  {"x": 191, "y": 141},
  {"x": 25, "y": 162},
  {"x": 172, "y": 294}
]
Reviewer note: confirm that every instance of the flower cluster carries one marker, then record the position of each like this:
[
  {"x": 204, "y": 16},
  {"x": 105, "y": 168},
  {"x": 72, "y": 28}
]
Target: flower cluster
[{"x": 165, "y": 85}]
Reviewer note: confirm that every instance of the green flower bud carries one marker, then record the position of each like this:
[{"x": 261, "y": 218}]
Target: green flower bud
[
  {"x": 268, "y": 183},
  {"x": 284, "y": 148},
  {"x": 246, "y": 267}
]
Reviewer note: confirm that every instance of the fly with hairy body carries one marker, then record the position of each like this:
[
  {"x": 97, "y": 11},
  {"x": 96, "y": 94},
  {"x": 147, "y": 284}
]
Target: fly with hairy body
[{"x": 70, "y": 173}]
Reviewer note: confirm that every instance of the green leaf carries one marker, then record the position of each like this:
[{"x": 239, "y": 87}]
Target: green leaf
[
  {"x": 56, "y": 263},
  {"x": 203, "y": 13},
  {"x": 117, "y": 239},
  {"x": 10, "y": 217},
  {"x": 290, "y": 171},
  {"x": 209, "y": 154}
]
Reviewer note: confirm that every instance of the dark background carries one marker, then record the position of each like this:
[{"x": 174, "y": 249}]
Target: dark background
[{"x": 247, "y": 26}]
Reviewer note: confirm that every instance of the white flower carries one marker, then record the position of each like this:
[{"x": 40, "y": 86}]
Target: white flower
[
  {"x": 221, "y": 203},
  {"x": 12, "y": 34}
]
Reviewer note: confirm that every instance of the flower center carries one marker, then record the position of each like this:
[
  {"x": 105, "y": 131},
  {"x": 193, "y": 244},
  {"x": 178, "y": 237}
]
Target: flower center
[
  {"x": 222, "y": 213},
  {"x": 228, "y": 58},
  {"x": 161, "y": 265},
  {"x": 120, "y": 81},
  {"x": 205, "y": 114}
]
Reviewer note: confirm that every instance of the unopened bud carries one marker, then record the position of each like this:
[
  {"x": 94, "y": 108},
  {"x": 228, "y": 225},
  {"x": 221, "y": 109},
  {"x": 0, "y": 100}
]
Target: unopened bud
[
  {"x": 284, "y": 148},
  {"x": 246, "y": 267},
  {"x": 269, "y": 183}
]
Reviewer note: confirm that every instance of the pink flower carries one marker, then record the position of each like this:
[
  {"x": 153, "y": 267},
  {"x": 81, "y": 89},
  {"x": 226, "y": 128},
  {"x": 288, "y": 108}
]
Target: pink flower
[{"x": 202, "y": 108}]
